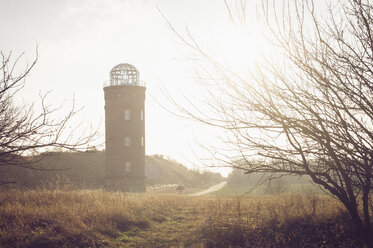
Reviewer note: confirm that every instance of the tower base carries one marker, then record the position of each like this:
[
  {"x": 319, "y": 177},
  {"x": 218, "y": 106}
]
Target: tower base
[{"x": 125, "y": 185}]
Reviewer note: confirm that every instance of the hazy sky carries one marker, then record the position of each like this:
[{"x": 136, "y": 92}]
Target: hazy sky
[{"x": 79, "y": 41}]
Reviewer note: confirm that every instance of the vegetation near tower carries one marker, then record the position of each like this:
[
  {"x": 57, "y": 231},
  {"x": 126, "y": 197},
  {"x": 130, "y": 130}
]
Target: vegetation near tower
[
  {"x": 26, "y": 132},
  {"x": 309, "y": 112}
]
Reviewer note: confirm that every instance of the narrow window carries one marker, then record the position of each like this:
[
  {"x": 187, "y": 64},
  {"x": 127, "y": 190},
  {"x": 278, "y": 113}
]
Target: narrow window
[
  {"x": 142, "y": 115},
  {"x": 127, "y": 114},
  {"x": 127, "y": 166},
  {"x": 142, "y": 141},
  {"x": 127, "y": 141}
]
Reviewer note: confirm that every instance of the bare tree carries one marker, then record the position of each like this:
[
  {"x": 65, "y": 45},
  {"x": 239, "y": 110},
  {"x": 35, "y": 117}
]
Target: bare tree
[
  {"x": 311, "y": 114},
  {"x": 27, "y": 132}
]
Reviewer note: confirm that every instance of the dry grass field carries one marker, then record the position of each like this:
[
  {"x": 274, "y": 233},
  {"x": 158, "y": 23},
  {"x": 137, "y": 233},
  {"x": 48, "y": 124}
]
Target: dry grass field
[{"x": 107, "y": 219}]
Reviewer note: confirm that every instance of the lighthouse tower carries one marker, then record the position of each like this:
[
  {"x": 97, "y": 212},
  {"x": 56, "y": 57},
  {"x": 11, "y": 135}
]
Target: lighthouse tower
[{"x": 125, "y": 130}]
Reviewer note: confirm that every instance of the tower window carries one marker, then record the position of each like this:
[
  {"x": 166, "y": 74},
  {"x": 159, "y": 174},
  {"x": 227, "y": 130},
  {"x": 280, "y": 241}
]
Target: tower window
[
  {"x": 127, "y": 166},
  {"x": 142, "y": 141},
  {"x": 142, "y": 115},
  {"x": 127, "y": 114},
  {"x": 127, "y": 141}
]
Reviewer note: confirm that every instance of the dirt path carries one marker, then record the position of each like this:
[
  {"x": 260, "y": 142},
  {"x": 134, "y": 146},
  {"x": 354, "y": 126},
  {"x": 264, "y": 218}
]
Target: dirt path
[{"x": 210, "y": 190}]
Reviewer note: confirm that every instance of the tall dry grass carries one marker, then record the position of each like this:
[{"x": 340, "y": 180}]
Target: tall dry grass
[
  {"x": 307, "y": 220},
  {"x": 75, "y": 218},
  {"x": 97, "y": 218}
]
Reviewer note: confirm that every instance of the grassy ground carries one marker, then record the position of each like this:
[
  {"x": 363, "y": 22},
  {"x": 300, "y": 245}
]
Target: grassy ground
[
  {"x": 299, "y": 188},
  {"x": 107, "y": 219}
]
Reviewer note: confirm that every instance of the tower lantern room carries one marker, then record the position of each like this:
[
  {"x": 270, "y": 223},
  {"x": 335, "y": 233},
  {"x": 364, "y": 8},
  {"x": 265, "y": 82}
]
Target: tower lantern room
[
  {"x": 124, "y": 74},
  {"x": 125, "y": 130}
]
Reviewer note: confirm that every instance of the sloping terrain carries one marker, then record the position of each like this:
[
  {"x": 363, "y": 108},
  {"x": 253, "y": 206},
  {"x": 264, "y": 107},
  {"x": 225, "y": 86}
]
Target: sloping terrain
[
  {"x": 87, "y": 170},
  {"x": 159, "y": 170}
]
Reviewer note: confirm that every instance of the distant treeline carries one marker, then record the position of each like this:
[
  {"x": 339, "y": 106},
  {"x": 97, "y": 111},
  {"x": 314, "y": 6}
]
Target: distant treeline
[{"x": 242, "y": 182}]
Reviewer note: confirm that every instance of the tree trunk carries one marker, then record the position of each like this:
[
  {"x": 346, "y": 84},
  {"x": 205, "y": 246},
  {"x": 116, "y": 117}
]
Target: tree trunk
[
  {"x": 359, "y": 224},
  {"x": 367, "y": 223}
]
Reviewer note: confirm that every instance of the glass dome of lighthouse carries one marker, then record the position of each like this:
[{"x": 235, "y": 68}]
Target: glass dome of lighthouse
[{"x": 124, "y": 74}]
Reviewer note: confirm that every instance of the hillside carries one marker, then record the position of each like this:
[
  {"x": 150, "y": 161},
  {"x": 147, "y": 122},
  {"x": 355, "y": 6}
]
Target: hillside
[
  {"x": 159, "y": 170},
  {"x": 87, "y": 170},
  {"x": 254, "y": 184}
]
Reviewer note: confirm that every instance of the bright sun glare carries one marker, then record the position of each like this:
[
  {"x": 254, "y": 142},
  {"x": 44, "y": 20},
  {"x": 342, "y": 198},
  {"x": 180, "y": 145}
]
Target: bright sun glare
[{"x": 240, "y": 47}]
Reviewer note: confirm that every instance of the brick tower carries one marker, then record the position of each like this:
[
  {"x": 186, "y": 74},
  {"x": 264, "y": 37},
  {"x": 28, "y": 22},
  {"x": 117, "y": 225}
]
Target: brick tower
[{"x": 125, "y": 130}]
